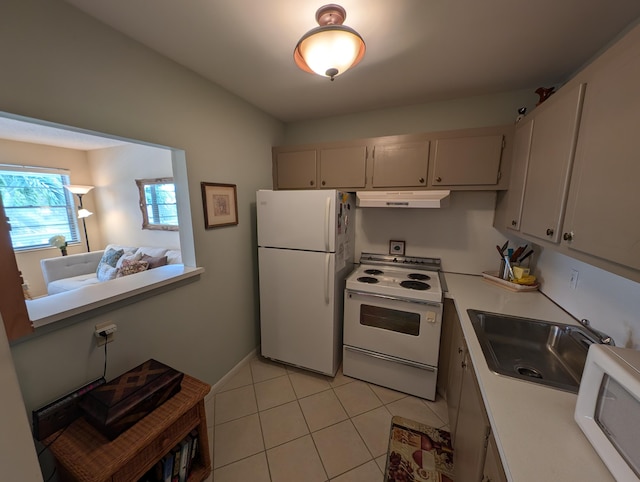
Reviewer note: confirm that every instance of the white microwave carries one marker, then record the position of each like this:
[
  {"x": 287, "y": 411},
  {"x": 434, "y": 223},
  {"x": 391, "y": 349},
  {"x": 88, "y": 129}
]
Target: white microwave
[{"x": 608, "y": 408}]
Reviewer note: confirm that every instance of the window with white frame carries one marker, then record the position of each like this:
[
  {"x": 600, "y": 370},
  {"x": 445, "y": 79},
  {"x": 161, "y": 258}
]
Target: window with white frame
[{"x": 37, "y": 205}]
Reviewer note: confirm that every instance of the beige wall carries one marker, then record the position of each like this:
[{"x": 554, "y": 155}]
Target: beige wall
[
  {"x": 482, "y": 111},
  {"x": 116, "y": 194},
  {"x": 18, "y": 457},
  {"x": 75, "y": 161},
  {"x": 460, "y": 234},
  {"x": 61, "y": 66}
]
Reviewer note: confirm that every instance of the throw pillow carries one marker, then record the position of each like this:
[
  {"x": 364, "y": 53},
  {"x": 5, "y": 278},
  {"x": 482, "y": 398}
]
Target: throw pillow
[
  {"x": 154, "y": 261},
  {"x": 131, "y": 267},
  {"x": 106, "y": 272},
  {"x": 128, "y": 257},
  {"x": 110, "y": 257}
]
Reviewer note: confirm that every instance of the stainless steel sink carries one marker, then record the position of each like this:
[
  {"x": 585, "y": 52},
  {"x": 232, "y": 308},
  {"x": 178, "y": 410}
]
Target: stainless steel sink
[{"x": 544, "y": 352}]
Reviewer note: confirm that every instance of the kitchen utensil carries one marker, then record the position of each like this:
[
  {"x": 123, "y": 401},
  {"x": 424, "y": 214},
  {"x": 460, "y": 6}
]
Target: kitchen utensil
[
  {"x": 500, "y": 251},
  {"x": 508, "y": 265},
  {"x": 529, "y": 253},
  {"x": 504, "y": 246},
  {"x": 516, "y": 254}
]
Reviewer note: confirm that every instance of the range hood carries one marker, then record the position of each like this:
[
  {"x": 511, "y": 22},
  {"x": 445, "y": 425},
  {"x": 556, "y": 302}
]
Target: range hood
[{"x": 402, "y": 199}]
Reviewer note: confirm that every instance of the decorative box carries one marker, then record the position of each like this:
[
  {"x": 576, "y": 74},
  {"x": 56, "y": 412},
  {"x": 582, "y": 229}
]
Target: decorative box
[{"x": 115, "y": 406}]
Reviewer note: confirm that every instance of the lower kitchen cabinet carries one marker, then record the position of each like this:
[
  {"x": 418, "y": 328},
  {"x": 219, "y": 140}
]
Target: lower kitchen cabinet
[
  {"x": 457, "y": 356},
  {"x": 493, "y": 470},
  {"x": 472, "y": 429},
  {"x": 449, "y": 322},
  {"x": 476, "y": 457}
]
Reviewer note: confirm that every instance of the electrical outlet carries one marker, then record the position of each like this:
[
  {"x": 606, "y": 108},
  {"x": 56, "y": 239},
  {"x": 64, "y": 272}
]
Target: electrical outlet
[
  {"x": 107, "y": 327},
  {"x": 573, "y": 281}
]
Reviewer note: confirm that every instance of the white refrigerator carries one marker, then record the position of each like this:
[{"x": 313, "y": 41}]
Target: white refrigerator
[{"x": 305, "y": 252}]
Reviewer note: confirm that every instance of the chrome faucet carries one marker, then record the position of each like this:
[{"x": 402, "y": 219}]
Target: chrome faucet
[{"x": 602, "y": 337}]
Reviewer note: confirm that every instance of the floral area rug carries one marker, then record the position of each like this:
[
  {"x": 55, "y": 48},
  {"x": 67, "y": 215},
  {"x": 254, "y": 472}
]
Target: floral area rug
[{"x": 418, "y": 453}]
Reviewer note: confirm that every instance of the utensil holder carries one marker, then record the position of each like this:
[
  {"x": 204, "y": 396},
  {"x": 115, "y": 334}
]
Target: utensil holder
[{"x": 503, "y": 272}]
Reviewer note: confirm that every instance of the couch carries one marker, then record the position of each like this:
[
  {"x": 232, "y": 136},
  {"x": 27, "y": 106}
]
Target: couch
[{"x": 66, "y": 273}]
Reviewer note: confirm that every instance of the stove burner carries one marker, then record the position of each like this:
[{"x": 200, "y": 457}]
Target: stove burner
[
  {"x": 368, "y": 279},
  {"x": 415, "y": 285},
  {"x": 373, "y": 271},
  {"x": 419, "y": 276}
]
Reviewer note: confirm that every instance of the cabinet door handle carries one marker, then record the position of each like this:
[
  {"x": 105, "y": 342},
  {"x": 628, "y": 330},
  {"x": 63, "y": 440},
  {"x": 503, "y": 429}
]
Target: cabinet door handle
[
  {"x": 310, "y": 183},
  {"x": 568, "y": 236},
  {"x": 514, "y": 222},
  {"x": 463, "y": 364},
  {"x": 421, "y": 180},
  {"x": 438, "y": 179},
  {"x": 549, "y": 232},
  {"x": 324, "y": 182}
]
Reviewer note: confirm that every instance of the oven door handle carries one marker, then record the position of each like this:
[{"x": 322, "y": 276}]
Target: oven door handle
[
  {"x": 393, "y": 359},
  {"x": 394, "y": 298}
]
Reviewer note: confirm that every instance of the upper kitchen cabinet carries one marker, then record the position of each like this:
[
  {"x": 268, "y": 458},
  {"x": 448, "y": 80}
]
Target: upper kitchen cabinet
[
  {"x": 312, "y": 167},
  {"x": 550, "y": 161},
  {"x": 509, "y": 209},
  {"x": 343, "y": 167},
  {"x": 467, "y": 161},
  {"x": 604, "y": 198},
  {"x": 581, "y": 196},
  {"x": 401, "y": 165},
  {"x": 295, "y": 169}
]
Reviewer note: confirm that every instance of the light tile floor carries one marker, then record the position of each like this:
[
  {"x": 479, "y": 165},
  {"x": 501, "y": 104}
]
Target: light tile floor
[{"x": 274, "y": 423}]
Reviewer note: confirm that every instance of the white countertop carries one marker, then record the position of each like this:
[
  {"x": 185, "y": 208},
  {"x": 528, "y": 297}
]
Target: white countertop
[{"x": 533, "y": 425}]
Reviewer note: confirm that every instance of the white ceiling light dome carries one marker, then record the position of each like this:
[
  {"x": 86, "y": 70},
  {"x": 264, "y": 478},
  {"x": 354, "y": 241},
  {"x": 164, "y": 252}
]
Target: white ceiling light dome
[{"x": 332, "y": 48}]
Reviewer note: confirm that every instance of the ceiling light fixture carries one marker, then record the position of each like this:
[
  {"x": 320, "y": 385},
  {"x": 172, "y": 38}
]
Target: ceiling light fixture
[{"x": 332, "y": 48}]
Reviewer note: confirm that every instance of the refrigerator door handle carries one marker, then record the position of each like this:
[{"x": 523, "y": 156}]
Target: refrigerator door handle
[
  {"x": 326, "y": 278},
  {"x": 327, "y": 218}
]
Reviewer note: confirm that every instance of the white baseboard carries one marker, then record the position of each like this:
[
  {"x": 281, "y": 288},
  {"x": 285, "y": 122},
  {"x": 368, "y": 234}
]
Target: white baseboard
[{"x": 231, "y": 373}]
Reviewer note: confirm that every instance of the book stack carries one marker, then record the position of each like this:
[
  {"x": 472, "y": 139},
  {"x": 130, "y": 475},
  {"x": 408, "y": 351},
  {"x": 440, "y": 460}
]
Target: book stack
[{"x": 176, "y": 465}]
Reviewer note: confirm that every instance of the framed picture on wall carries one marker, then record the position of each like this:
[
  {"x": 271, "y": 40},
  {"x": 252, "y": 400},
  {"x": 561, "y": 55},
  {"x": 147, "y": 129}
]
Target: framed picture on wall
[{"x": 220, "y": 203}]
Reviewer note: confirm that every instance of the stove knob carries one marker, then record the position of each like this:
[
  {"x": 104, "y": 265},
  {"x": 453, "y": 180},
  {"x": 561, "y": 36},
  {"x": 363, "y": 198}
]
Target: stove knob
[{"x": 395, "y": 260}]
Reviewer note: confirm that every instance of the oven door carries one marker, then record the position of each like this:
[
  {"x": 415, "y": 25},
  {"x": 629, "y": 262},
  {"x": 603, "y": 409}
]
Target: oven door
[{"x": 402, "y": 328}]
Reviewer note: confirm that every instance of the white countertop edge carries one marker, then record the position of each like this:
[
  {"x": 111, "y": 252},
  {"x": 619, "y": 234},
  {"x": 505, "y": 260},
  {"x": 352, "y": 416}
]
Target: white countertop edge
[
  {"x": 533, "y": 425},
  {"x": 49, "y": 309}
]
